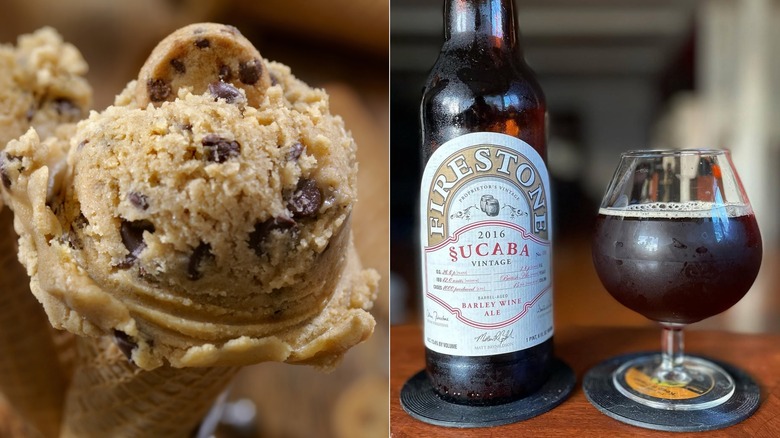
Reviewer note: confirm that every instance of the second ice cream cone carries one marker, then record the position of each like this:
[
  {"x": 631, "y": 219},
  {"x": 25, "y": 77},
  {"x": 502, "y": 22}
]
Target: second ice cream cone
[
  {"x": 112, "y": 397},
  {"x": 30, "y": 376}
]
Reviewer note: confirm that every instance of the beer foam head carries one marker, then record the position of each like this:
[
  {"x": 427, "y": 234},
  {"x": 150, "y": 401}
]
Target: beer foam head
[{"x": 692, "y": 209}]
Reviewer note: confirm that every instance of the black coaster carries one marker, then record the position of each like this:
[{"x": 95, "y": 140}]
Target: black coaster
[
  {"x": 420, "y": 401},
  {"x": 598, "y": 388}
]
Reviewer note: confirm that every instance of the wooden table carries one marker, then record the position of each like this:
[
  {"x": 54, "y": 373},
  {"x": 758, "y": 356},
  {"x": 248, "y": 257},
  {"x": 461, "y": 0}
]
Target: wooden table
[{"x": 584, "y": 347}]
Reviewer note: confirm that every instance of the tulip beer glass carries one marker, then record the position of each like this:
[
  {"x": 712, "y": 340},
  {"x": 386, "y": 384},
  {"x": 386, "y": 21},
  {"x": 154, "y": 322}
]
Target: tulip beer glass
[{"x": 676, "y": 240}]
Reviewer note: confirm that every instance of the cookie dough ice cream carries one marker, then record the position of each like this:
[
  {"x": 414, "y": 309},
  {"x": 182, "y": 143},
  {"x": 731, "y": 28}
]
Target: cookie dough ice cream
[
  {"x": 42, "y": 85},
  {"x": 199, "y": 230}
]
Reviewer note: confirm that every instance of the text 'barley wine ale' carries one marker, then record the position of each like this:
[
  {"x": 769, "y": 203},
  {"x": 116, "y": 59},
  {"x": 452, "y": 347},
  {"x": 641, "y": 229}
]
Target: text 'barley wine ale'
[{"x": 485, "y": 218}]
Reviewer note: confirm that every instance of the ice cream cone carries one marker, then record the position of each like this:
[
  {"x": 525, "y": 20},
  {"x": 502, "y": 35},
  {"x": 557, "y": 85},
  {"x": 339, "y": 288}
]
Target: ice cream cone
[
  {"x": 111, "y": 397},
  {"x": 228, "y": 243},
  {"x": 43, "y": 86},
  {"x": 31, "y": 377}
]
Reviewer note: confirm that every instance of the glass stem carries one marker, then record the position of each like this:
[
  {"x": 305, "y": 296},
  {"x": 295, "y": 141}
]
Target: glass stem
[{"x": 672, "y": 370}]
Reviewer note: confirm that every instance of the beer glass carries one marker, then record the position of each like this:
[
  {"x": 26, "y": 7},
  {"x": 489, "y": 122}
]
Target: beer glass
[{"x": 676, "y": 240}]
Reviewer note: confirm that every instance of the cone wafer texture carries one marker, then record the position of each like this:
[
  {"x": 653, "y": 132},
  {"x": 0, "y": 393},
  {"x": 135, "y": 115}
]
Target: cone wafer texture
[
  {"x": 111, "y": 397},
  {"x": 31, "y": 378}
]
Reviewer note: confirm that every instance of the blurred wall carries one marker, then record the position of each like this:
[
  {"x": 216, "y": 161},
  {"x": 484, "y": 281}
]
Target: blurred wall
[{"x": 618, "y": 75}]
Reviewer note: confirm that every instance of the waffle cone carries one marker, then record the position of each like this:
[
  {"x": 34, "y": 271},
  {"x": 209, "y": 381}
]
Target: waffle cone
[
  {"x": 30, "y": 380},
  {"x": 111, "y": 397}
]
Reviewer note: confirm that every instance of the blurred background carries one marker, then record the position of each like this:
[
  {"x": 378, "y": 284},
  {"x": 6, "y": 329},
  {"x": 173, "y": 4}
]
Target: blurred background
[
  {"x": 618, "y": 75},
  {"x": 340, "y": 45}
]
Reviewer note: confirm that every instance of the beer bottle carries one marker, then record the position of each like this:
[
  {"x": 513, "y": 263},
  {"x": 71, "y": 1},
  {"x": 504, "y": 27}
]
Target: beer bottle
[{"x": 485, "y": 222}]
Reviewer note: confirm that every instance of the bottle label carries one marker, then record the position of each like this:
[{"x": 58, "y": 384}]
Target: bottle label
[{"x": 486, "y": 246}]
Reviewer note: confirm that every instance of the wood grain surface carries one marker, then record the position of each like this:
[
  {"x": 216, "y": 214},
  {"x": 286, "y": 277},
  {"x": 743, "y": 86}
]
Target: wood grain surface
[{"x": 584, "y": 347}]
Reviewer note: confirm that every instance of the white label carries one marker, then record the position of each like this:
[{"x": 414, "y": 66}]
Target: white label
[{"x": 486, "y": 254}]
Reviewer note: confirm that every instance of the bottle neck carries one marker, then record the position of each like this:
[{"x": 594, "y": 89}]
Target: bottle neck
[{"x": 492, "y": 21}]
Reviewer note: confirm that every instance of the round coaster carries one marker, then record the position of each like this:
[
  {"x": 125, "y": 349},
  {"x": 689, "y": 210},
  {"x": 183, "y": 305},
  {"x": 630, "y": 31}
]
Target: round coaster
[
  {"x": 421, "y": 402},
  {"x": 599, "y": 390}
]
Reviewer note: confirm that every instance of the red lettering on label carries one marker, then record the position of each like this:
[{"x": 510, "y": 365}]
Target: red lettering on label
[
  {"x": 524, "y": 251},
  {"x": 453, "y": 254},
  {"x": 483, "y": 250}
]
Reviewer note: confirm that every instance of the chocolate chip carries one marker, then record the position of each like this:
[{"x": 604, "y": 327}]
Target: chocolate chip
[
  {"x": 178, "y": 65},
  {"x": 274, "y": 80},
  {"x": 72, "y": 237},
  {"x": 82, "y": 143},
  {"x": 125, "y": 343},
  {"x": 249, "y": 72},
  {"x": 219, "y": 149},
  {"x": 263, "y": 229},
  {"x": 132, "y": 233},
  {"x": 139, "y": 200},
  {"x": 225, "y": 74},
  {"x": 306, "y": 200},
  {"x": 223, "y": 90},
  {"x": 202, "y": 43},
  {"x": 201, "y": 255},
  {"x": 66, "y": 108},
  {"x": 295, "y": 151},
  {"x": 146, "y": 275},
  {"x": 125, "y": 263},
  {"x": 159, "y": 90},
  {"x": 4, "y": 171},
  {"x": 72, "y": 240},
  {"x": 5, "y": 159},
  {"x": 80, "y": 222},
  {"x": 257, "y": 237}
]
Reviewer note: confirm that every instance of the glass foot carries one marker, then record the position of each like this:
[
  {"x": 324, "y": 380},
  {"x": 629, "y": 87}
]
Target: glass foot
[{"x": 698, "y": 384}]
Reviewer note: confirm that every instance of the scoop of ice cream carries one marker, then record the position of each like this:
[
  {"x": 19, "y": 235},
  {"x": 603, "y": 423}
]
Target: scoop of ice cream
[
  {"x": 201, "y": 231},
  {"x": 42, "y": 85}
]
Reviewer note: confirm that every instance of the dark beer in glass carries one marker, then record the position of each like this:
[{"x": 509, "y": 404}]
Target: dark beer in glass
[{"x": 677, "y": 266}]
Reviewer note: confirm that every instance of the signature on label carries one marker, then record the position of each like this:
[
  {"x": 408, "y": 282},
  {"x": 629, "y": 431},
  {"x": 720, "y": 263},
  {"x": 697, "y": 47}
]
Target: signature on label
[
  {"x": 500, "y": 336},
  {"x": 544, "y": 307},
  {"x": 436, "y": 318}
]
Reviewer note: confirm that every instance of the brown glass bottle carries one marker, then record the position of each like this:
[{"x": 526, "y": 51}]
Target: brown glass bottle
[{"x": 481, "y": 83}]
